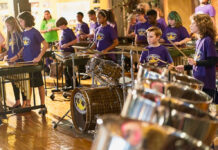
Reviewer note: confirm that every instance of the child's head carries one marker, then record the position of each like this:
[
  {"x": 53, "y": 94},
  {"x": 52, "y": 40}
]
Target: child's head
[
  {"x": 102, "y": 16},
  {"x": 111, "y": 17},
  {"x": 12, "y": 25},
  {"x": 159, "y": 12},
  {"x": 144, "y": 6},
  {"x": 153, "y": 35},
  {"x": 152, "y": 16},
  {"x": 140, "y": 14},
  {"x": 80, "y": 16},
  {"x": 26, "y": 19},
  {"x": 132, "y": 18},
  {"x": 204, "y": 1},
  {"x": 47, "y": 15},
  {"x": 203, "y": 25},
  {"x": 92, "y": 14},
  {"x": 61, "y": 23},
  {"x": 174, "y": 19}
]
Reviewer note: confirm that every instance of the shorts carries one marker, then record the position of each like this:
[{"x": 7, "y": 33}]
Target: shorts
[{"x": 36, "y": 79}]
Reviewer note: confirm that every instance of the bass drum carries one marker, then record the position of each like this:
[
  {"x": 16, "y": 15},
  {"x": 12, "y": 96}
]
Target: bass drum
[{"x": 89, "y": 103}]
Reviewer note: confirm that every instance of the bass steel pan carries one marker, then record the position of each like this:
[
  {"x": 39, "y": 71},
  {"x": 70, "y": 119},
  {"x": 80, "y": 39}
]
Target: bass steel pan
[
  {"x": 115, "y": 132},
  {"x": 88, "y": 104}
]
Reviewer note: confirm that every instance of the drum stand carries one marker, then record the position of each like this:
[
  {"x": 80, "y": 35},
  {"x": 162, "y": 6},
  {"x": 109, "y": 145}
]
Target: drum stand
[
  {"x": 55, "y": 124},
  {"x": 132, "y": 73},
  {"x": 123, "y": 71}
]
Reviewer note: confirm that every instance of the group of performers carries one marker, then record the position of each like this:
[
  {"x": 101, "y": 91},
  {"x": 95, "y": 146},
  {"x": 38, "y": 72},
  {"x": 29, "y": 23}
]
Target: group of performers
[{"x": 147, "y": 27}]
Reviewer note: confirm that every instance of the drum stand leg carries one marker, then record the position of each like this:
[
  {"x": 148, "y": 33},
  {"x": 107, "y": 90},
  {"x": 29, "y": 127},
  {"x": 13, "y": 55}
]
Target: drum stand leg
[
  {"x": 74, "y": 80},
  {"x": 93, "y": 79},
  {"x": 132, "y": 74},
  {"x": 55, "y": 124},
  {"x": 123, "y": 71}
]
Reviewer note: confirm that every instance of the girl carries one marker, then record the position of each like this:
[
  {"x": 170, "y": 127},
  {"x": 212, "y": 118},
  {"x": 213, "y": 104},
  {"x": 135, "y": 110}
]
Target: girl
[
  {"x": 204, "y": 62},
  {"x": 131, "y": 26},
  {"x": 105, "y": 38},
  {"x": 32, "y": 40},
  {"x": 160, "y": 17},
  {"x": 111, "y": 20},
  {"x": 175, "y": 32},
  {"x": 206, "y": 8},
  {"x": 82, "y": 28},
  {"x": 14, "y": 44}
]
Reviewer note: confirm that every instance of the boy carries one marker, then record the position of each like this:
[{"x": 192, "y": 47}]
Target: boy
[
  {"x": 81, "y": 28},
  {"x": 68, "y": 39},
  {"x": 155, "y": 52}
]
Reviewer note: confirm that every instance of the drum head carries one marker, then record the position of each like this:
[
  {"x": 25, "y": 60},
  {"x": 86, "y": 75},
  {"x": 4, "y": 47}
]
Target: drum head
[{"x": 79, "y": 110}]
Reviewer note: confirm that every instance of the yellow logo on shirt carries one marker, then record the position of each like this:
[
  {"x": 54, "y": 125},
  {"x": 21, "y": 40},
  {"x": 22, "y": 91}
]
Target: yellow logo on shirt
[
  {"x": 171, "y": 36},
  {"x": 100, "y": 36},
  {"x": 26, "y": 41},
  {"x": 10, "y": 43},
  {"x": 142, "y": 32},
  {"x": 153, "y": 59}
]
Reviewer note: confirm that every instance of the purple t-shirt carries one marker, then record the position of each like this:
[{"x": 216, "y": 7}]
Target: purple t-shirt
[
  {"x": 32, "y": 40},
  {"x": 131, "y": 28},
  {"x": 207, "y": 74},
  {"x": 175, "y": 34},
  {"x": 82, "y": 28},
  {"x": 17, "y": 45},
  {"x": 158, "y": 25},
  {"x": 67, "y": 36},
  {"x": 206, "y": 9},
  {"x": 153, "y": 53},
  {"x": 114, "y": 26},
  {"x": 93, "y": 26},
  {"x": 162, "y": 22},
  {"x": 140, "y": 31},
  {"x": 104, "y": 37}
]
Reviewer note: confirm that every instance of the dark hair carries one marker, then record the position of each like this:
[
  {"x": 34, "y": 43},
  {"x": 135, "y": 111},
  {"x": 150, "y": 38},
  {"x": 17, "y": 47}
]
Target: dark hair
[
  {"x": 152, "y": 12},
  {"x": 47, "y": 11},
  {"x": 140, "y": 11},
  {"x": 80, "y": 13},
  {"x": 104, "y": 13},
  {"x": 91, "y": 12},
  {"x": 111, "y": 17},
  {"x": 28, "y": 18},
  {"x": 61, "y": 21}
]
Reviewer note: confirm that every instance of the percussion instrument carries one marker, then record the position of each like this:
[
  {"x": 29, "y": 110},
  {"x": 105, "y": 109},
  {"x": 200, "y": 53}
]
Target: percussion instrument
[
  {"x": 131, "y": 47},
  {"x": 88, "y": 104},
  {"x": 120, "y": 133},
  {"x": 106, "y": 72},
  {"x": 151, "y": 106},
  {"x": 186, "y": 94},
  {"x": 150, "y": 72}
]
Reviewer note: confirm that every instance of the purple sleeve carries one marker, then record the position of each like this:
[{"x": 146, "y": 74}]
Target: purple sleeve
[
  {"x": 72, "y": 35},
  {"x": 209, "y": 47},
  {"x": 143, "y": 57},
  {"x": 85, "y": 28},
  {"x": 184, "y": 33},
  {"x": 136, "y": 27},
  {"x": 164, "y": 36},
  {"x": 113, "y": 34},
  {"x": 38, "y": 36},
  {"x": 168, "y": 57},
  {"x": 212, "y": 11}
]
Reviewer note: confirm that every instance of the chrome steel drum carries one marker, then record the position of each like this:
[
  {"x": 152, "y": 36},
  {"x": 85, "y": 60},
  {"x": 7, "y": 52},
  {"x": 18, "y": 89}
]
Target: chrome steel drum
[
  {"x": 196, "y": 97},
  {"x": 151, "y": 72},
  {"x": 153, "y": 107},
  {"x": 126, "y": 134}
]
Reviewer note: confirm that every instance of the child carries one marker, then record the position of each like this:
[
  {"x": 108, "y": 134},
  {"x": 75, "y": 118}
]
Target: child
[
  {"x": 131, "y": 26},
  {"x": 2, "y": 42},
  {"x": 160, "y": 17},
  {"x": 206, "y": 8},
  {"x": 105, "y": 38},
  {"x": 68, "y": 39},
  {"x": 111, "y": 20},
  {"x": 175, "y": 32},
  {"x": 140, "y": 27},
  {"x": 14, "y": 44},
  {"x": 155, "y": 51},
  {"x": 81, "y": 28},
  {"x": 32, "y": 40},
  {"x": 204, "y": 62},
  {"x": 152, "y": 20}
]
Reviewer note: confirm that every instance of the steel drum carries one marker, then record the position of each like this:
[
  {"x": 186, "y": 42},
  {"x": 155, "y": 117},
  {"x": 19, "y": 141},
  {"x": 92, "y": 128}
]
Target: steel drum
[
  {"x": 151, "y": 106},
  {"x": 185, "y": 93},
  {"x": 126, "y": 134},
  {"x": 88, "y": 103},
  {"x": 151, "y": 72}
]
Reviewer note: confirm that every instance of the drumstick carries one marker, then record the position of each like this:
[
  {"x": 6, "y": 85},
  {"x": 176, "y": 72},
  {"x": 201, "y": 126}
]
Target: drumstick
[
  {"x": 25, "y": 62},
  {"x": 165, "y": 62},
  {"x": 178, "y": 49}
]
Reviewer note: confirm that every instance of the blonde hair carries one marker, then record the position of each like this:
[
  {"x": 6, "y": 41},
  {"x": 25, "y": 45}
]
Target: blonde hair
[
  {"x": 144, "y": 6},
  {"x": 205, "y": 25},
  {"x": 157, "y": 31},
  {"x": 15, "y": 29}
]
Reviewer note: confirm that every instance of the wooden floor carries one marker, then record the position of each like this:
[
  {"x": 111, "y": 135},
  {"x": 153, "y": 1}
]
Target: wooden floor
[{"x": 30, "y": 130}]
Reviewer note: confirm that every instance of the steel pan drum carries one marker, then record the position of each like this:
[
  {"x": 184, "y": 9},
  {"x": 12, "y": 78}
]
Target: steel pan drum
[
  {"x": 87, "y": 104},
  {"x": 153, "y": 107},
  {"x": 126, "y": 134},
  {"x": 196, "y": 97},
  {"x": 151, "y": 72}
]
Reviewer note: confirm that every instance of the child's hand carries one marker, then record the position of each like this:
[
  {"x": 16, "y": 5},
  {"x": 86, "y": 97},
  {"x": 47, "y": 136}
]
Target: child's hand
[
  {"x": 104, "y": 51},
  {"x": 177, "y": 43},
  {"x": 5, "y": 58},
  {"x": 13, "y": 59},
  {"x": 180, "y": 68},
  {"x": 191, "y": 61},
  {"x": 36, "y": 60},
  {"x": 64, "y": 46}
]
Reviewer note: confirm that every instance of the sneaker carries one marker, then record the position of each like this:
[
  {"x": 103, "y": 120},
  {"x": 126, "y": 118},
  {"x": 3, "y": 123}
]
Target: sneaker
[{"x": 86, "y": 77}]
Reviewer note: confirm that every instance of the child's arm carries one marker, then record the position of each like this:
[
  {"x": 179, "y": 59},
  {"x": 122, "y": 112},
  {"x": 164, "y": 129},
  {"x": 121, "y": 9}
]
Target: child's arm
[
  {"x": 69, "y": 44},
  {"x": 183, "y": 41},
  {"x": 115, "y": 43},
  {"x": 19, "y": 54},
  {"x": 45, "y": 47}
]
